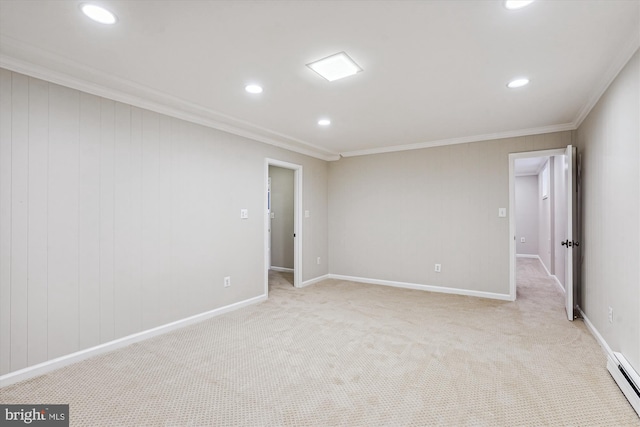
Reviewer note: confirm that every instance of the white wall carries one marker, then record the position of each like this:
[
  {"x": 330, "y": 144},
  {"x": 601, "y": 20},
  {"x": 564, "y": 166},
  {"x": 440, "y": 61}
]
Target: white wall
[
  {"x": 282, "y": 222},
  {"x": 608, "y": 141},
  {"x": 114, "y": 219},
  {"x": 393, "y": 216},
  {"x": 526, "y": 188}
]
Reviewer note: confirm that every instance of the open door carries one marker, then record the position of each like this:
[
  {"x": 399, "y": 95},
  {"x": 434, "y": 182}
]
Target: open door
[
  {"x": 269, "y": 222},
  {"x": 571, "y": 243}
]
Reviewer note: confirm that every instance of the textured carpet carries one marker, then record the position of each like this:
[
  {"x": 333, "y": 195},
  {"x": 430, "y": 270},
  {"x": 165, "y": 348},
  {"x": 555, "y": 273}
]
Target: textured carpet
[{"x": 341, "y": 353}]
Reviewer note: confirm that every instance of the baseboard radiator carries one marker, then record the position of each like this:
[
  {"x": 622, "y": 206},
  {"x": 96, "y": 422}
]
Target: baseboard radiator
[{"x": 627, "y": 378}]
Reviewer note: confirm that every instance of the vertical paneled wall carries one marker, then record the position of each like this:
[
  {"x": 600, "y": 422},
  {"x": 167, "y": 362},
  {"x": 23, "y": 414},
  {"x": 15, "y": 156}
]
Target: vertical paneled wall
[
  {"x": 114, "y": 219},
  {"x": 609, "y": 141}
]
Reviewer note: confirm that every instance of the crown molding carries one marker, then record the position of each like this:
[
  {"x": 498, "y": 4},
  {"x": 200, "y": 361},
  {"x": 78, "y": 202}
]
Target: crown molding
[
  {"x": 463, "y": 140},
  {"x": 621, "y": 59},
  {"x": 128, "y": 92},
  {"x": 138, "y": 95}
]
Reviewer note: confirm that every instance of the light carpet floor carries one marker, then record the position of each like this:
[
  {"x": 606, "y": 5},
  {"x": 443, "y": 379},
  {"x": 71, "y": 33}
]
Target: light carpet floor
[{"x": 341, "y": 353}]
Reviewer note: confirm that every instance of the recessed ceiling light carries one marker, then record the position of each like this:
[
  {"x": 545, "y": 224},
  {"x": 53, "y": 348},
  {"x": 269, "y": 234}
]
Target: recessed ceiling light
[
  {"x": 517, "y": 4},
  {"x": 98, "y": 14},
  {"x": 253, "y": 89},
  {"x": 324, "y": 122},
  {"x": 335, "y": 67},
  {"x": 518, "y": 83}
]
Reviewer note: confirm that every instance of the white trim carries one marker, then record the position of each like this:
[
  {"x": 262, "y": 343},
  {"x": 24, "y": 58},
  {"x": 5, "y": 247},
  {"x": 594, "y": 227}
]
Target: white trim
[
  {"x": 512, "y": 208},
  {"x": 557, "y": 282},
  {"x": 462, "y": 140},
  {"x": 545, "y": 268},
  {"x": 553, "y": 276},
  {"x": 596, "y": 334},
  {"x": 622, "y": 58},
  {"x": 417, "y": 286},
  {"x": 625, "y": 54},
  {"x": 613, "y": 359},
  {"x": 282, "y": 269},
  {"x": 315, "y": 280},
  {"x": 59, "y": 362},
  {"x": 539, "y": 153},
  {"x": 297, "y": 220},
  {"x": 138, "y": 95}
]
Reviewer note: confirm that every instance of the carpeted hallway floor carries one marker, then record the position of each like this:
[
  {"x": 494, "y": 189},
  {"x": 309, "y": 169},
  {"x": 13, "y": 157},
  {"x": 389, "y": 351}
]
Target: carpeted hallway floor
[{"x": 340, "y": 353}]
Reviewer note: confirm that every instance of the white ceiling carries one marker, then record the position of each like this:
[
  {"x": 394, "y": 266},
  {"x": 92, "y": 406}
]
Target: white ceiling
[
  {"x": 435, "y": 72},
  {"x": 529, "y": 165}
]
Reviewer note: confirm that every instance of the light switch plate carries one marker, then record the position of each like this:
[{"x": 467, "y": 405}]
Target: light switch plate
[
  {"x": 306, "y": 214},
  {"x": 502, "y": 212}
]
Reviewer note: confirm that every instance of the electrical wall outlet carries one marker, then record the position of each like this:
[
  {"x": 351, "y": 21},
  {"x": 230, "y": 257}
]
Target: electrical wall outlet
[
  {"x": 438, "y": 268},
  {"x": 227, "y": 281},
  {"x": 610, "y": 314},
  {"x": 244, "y": 213},
  {"x": 522, "y": 240}
]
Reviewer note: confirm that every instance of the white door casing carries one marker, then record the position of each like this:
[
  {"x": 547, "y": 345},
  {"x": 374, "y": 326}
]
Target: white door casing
[
  {"x": 571, "y": 196},
  {"x": 268, "y": 220},
  {"x": 297, "y": 221}
]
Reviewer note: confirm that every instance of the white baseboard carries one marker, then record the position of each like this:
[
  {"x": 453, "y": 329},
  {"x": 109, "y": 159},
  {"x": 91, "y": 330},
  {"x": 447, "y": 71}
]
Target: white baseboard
[
  {"x": 613, "y": 359},
  {"x": 557, "y": 282},
  {"x": 417, "y": 286},
  {"x": 596, "y": 334},
  {"x": 314, "y": 280},
  {"x": 545, "y": 267},
  {"x": 555, "y": 279},
  {"x": 57, "y": 363},
  {"x": 282, "y": 269},
  {"x": 527, "y": 256}
]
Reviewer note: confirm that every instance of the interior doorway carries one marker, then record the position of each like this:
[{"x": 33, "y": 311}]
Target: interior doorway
[
  {"x": 283, "y": 210},
  {"x": 542, "y": 216}
]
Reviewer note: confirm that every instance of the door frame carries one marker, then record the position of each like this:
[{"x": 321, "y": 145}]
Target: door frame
[
  {"x": 512, "y": 208},
  {"x": 297, "y": 221}
]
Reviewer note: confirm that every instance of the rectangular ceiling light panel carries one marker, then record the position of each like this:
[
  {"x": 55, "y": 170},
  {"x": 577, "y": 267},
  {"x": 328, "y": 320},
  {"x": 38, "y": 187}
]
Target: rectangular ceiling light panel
[{"x": 335, "y": 67}]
